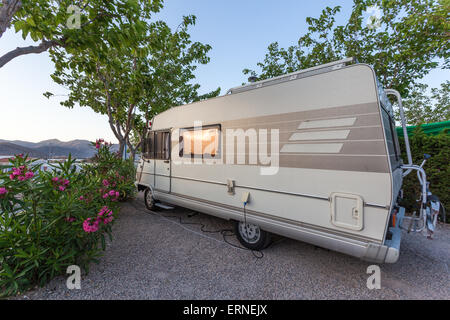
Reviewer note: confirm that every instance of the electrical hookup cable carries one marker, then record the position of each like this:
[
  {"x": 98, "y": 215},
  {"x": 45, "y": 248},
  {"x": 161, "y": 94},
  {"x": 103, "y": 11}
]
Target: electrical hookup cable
[{"x": 224, "y": 232}]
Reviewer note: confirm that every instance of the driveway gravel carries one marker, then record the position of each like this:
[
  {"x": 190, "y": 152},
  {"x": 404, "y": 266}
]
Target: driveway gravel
[{"x": 153, "y": 257}]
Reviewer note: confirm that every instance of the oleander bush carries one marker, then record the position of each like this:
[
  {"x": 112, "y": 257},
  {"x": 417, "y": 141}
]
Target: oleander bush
[
  {"x": 51, "y": 220},
  {"x": 437, "y": 167}
]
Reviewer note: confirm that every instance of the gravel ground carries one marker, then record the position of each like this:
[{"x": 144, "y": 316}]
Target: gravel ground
[{"x": 154, "y": 258}]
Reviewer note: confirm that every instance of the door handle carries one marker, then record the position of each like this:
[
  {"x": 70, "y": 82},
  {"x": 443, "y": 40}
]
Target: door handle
[{"x": 166, "y": 161}]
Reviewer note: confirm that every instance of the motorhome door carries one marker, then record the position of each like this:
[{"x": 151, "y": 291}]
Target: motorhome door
[{"x": 162, "y": 161}]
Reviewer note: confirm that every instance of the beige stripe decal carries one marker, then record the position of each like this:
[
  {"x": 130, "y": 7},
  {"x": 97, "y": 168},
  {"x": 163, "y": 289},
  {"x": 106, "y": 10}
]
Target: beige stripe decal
[
  {"x": 363, "y": 149},
  {"x": 343, "y": 122},
  {"x": 312, "y": 148},
  {"x": 320, "y": 135}
]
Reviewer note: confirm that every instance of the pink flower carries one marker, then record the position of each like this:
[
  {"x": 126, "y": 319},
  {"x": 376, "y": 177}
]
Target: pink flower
[
  {"x": 61, "y": 188},
  {"x": 21, "y": 173},
  {"x": 70, "y": 219},
  {"x": 105, "y": 196},
  {"x": 103, "y": 210},
  {"x": 3, "y": 191},
  {"x": 108, "y": 220},
  {"x": 106, "y": 214},
  {"x": 90, "y": 227},
  {"x": 55, "y": 179},
  {"x": 29, "y": 175},
  {"x": 112, "y": 193},
  {"x": 98, "y": 143},
  {"x": 66, "y": 182},
  {"x": 117, "y": 194},
  {"x": 81, "y": 198},
  {"x": 105, "y": 182}
]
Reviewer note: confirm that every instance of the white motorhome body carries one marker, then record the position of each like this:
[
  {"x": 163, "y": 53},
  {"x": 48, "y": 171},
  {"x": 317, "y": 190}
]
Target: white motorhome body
[{"x": 329, "y": 174}]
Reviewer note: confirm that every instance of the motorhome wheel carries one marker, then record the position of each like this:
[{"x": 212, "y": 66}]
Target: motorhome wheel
[
  {"x": 251, "y": 236},
  {"x": 148, "y": 199}
]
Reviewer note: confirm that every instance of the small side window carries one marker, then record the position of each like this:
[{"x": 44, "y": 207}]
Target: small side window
[
  {"x": 395, "y": 140},
  {"x": 162, "y": 145},
  {"x": 391, "y": 139},
  {"x": 148, "y": 147}
]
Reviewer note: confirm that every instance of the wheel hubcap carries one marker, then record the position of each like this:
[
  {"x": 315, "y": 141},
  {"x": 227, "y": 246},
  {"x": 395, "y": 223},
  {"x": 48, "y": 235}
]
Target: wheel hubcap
[
  {"x": 149, "y": 198},
  {"x": 249, "y": 232}
]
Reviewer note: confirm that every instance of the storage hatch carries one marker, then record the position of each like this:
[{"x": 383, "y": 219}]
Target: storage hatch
[{"x": 347, "y": 211}]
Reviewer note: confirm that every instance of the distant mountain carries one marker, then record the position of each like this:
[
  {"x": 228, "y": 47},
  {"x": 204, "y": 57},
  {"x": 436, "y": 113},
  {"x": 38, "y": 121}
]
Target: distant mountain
[
  {"x": 9, "y": 149},
  {"x": 49, "y": 148}
]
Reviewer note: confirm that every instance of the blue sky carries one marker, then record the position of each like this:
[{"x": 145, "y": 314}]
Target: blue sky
[{"x": 238, "y": 31}]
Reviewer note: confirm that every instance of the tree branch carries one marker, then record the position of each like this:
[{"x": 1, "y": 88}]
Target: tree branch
[{"x": 43, "y": 46}]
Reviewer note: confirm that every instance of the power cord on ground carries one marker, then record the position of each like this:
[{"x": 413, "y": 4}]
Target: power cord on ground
[{"x": 223, "y": 232}]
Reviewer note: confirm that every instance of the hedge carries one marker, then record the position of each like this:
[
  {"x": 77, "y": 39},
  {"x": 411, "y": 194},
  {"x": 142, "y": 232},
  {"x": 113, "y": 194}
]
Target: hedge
[
  {"x": 50, "y": 220},
  {"x": 437, "y": 167}
]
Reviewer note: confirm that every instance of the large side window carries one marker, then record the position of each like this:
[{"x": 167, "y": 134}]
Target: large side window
[{"x": 202, "y": 142}]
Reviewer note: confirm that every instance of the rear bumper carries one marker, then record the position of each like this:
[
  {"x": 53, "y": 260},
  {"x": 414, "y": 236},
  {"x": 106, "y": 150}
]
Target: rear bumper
[
  {"x": 394, "y": 243},
  {"x": 389, "y": 252}
]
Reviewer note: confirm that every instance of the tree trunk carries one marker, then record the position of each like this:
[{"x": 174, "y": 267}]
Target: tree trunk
[
  {"x": 121, "y": 147},
  {"x": 133, "y": 149},
  {"x": 7, "y": 11}
]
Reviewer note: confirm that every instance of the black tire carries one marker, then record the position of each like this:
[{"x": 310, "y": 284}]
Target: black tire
[
  {"x": 257, "y": 238},
  {"x": 149, "y": 201}
]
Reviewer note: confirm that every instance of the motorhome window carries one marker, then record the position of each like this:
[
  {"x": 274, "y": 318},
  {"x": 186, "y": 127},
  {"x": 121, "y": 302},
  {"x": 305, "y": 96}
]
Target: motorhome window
[
  {"x": 200, "y": 142},
  {"x": 162, "y": 145},
  {"x": 391, "y": 139},
  {"x": 395, "y": 138},
  {"x": 148, "y": 147},
  {"x": 144, "y": 148}
]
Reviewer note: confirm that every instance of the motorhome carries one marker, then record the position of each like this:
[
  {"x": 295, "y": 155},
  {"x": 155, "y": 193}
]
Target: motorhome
[{"x": 312, "y": 155}]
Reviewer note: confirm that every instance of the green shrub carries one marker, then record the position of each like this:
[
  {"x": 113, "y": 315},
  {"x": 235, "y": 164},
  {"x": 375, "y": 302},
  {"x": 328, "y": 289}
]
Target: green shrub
[
  {"x": 437, "y": 167},
  {"x": 51, "y": 220}
]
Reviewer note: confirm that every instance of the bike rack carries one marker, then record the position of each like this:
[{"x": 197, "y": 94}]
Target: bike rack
[{"x": 421, "y": 175}]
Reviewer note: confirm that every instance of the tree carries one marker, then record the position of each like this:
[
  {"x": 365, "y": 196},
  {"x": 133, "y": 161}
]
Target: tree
[
  {"x": 74, "y": 26},
  {"x": 420, "y": 108},
  {"x": 442, "y": 101},
  {"x": 403, "y": 44},
  {"x": 133, "y": 83}
]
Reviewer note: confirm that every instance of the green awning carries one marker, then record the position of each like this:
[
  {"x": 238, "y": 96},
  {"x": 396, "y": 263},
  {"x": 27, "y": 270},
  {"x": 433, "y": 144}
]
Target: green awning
[{"x": 430, "y": 128}]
